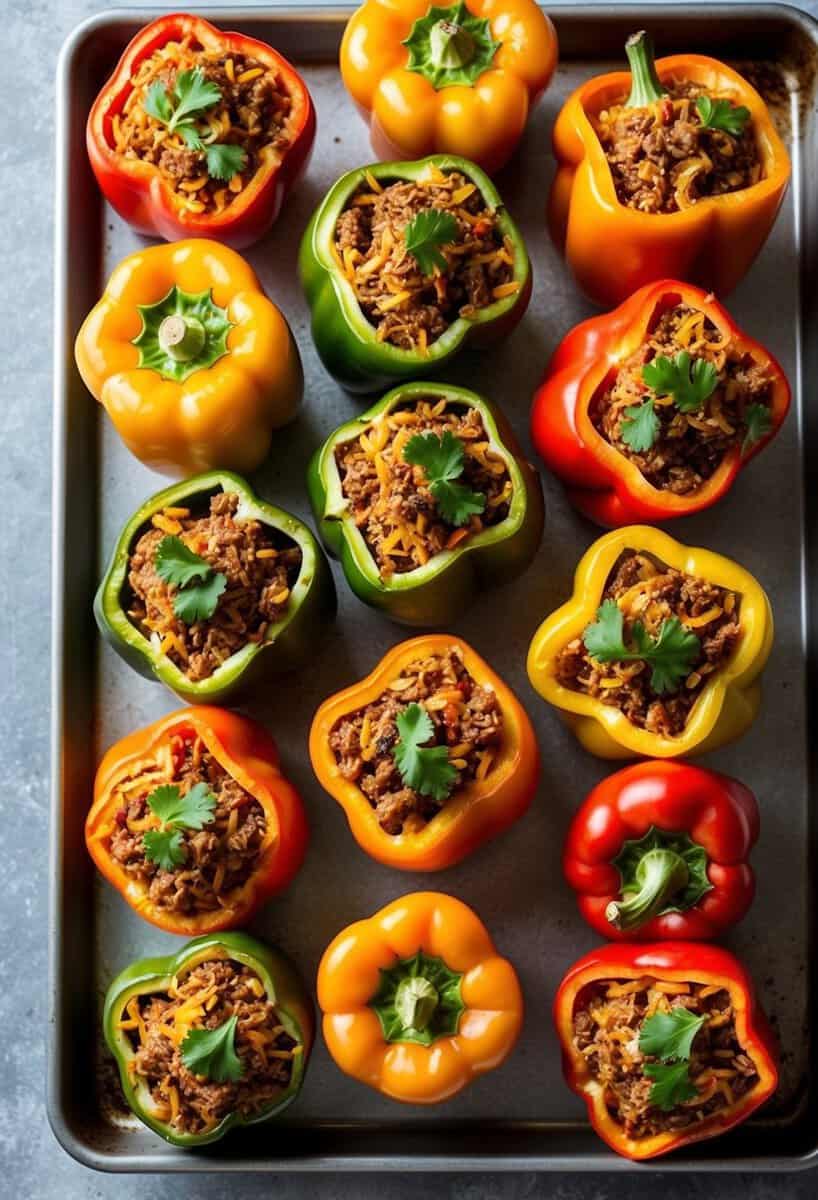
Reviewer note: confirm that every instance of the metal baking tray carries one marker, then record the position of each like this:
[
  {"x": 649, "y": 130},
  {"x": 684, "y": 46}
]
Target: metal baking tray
[{"x": 521, "y": 1116}]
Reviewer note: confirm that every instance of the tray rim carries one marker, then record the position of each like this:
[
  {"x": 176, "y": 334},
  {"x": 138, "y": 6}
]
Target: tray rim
[{"x": 161, "y": 1161}]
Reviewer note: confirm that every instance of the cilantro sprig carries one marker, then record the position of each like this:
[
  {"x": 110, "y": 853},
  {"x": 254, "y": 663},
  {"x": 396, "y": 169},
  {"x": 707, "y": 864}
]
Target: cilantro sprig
[
  {"x": 670, "y": 655},
  {"x": 442, "y": 459},
  {"x": 179, "y": 109},
  {"x": 757, "y": 423},
  {"x": 426, "y": 769},
  {"x": 669, "y": 1037},
  {"x": 176, "y": 812},
  {"x": 199, "y": 585},
  {"x": 722, "y": 114},
  {"x": 212, "y": 1053},
  {"x": 689, "y": 381},
  {"x": 639, "y": 426},
  {"x": 425, "y": 234}
]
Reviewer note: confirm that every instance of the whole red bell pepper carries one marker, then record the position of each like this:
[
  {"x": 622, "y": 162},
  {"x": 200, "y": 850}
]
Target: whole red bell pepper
[
  {"x": 659, "y": 850},
  {"x": 602, "y": 483},
  {"x": 669, "y": 963},
  {"x": 136, "y": 188}
]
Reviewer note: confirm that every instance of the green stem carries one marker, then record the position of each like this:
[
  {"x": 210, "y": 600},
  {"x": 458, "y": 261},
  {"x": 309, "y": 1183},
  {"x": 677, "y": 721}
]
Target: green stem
[
  {"x": 646, "y": 86},
  {"x": 451, "y": 46},
  {"x": 661, "y": 874},
  {"x": 416, "y": 1002},
  {"x": 182, "y": 337}
]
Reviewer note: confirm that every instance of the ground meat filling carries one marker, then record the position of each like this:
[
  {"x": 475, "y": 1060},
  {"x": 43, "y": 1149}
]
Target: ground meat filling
[
  {"x": 406, "y": 307},
  {"x": 689, "y": 446},
  {"x": 255, "y": 112},
  {"x": 607, "y": 1024},
  {"x": 218, "y": 858},
  {"x": 391, "y": 504},
  {"x": 663, "y": 159},
  {"x": 205, "y": 998},
  {"x": 649, "y": 591},
  {"x": 261, "y": 567},
  {"x": 467, "y": 719}
]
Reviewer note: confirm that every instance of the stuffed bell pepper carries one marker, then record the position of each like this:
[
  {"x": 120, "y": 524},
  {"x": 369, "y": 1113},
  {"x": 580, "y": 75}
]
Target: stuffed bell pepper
[
  {"x": 665, "y": 1043},
  {"x": 659, "y": 850},
  {"x": 200, "y": 133},
  {"x": 193, "y": 822},
  {"x": 214, "y": 1037},
  {"x": 677, "y": 165},
  {"x": 416, "y": 1000},
  {"x": 456, "y": 79},
  {"x": 209, "y": 589},
  {"x": 658, "y": 652},
  {"x": 425, "y": 498},
  {"x": 429, "y": 756},
  {"x": 404, "y": 264},
  {"x": 651, "y": 411},
  {"x": 194, "y": 365}
]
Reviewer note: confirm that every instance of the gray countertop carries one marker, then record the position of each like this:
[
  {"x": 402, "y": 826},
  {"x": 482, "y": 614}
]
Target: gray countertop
[{"x": 32, "y": 1163}]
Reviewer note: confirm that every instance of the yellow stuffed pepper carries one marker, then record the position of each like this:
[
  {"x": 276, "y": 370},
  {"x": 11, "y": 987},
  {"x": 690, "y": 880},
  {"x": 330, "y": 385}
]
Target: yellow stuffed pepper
[
  {"x": 658, "y": 652},
  {"x": 195, "y": 366}
]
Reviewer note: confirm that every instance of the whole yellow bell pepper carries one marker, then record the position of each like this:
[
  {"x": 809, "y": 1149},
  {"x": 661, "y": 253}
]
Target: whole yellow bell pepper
[
  {"x": 729, "y": 701},
  {"x": 193, "y": 363},
  {"x": 459, "y": 80}
]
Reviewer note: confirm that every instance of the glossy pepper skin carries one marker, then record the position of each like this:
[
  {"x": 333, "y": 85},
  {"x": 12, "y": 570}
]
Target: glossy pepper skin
[
  {"x": 286, "y": 645},
  {"x": 602, "y": 483},
  {"x": 151, "y": 976},
  {"x": 438, "y": 592},
  {"x": 250, "y": 756},
  {"x": 135, "y": 188},
  {"x": 729, "y": 702},
  {"x": 712, "y": 243},
  {"x": 712, "y": 815},
  {"x": 344, "y": 338},
  {"x": 215, "y": 409},
  {"x": 476, "y": 812},
  {"x": 677, "y": 962},
  {"x": 486, "y": 1002},
  {"x": 467, "y": 88}
]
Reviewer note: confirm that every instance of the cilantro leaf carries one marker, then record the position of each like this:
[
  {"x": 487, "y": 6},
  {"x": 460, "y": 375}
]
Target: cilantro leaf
[
  {"x": 688, "y": 381},
  {"x": 199, "y": 602},
  {"x": 670, "y": 1035},
  {"x": 193, "y": 94},
  {"x": 157, "y": 103},
  {"x": 425, "y": 769},
  {"x": 425, "y": 233},
  {"x": 164, "y": 847},
  {"x": 722, "y": 114},
  {"x": 639, "y": 427},
  {"x": 671, "y": 1084},
  {"x": 224, "y": 160},
  {"x": 190, "y": 136},
  {"x": 212, "y": 1053},
  {"x": 176, "y": 563},
  {"x": 670, "y": 654},
  {"x": 192, "y": 810},
  {"x": 758, "y": 423},
  {"x": 442, "y": 459}
]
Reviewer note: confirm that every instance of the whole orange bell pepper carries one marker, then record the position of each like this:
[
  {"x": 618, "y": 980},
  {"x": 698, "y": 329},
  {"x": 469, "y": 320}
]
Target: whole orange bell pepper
[
  {"x": 477, "y": 811},
  {"x": 249, "y": 756},
  {"x": 711, "y": 243},
  {"x": 416, "y": 1000},
  {"x": 195, "y": 366},
  {"x": 459, "y": 80}
]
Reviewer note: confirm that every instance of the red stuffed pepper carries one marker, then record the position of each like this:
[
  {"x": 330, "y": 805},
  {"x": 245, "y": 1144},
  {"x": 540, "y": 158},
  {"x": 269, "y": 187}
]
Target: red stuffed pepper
[
  {"x": 200, "y": 133},
  {"x": 660, "y": 849},
  {"x": 665, "y": 1043},
  {"x": 193, "y": 822},
  {"x": 650, "y": 411}
]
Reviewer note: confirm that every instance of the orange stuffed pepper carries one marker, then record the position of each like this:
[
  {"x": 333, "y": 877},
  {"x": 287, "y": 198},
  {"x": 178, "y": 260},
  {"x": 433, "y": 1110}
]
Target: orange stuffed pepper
[
  {"x": 193, "y": 822},
  {"x": 416, "y": 1000},
  {"x": 429, "y": 756}
]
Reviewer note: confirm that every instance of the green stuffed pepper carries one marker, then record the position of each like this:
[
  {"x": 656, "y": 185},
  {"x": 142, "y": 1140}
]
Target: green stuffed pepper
[
  {"x": 215, "y": 1036},
  {"x": 404, "y": 264},
  {"x": 425, "y": 498},
  {"x": 209, "y": 588}
]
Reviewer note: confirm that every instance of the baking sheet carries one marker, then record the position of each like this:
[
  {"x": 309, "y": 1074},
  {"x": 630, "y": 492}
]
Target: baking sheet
[{"x": 521, "y": 1115}]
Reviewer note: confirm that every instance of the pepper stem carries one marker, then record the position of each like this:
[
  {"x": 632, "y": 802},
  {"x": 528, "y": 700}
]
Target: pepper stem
[
  {"x": 646, "y": 86},
  {"x": 416, "y": 1001},
  {"x": 450, "y": 45},
  {"x": 182, "y": 337},
  {"x": 660, "y": 875}
]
